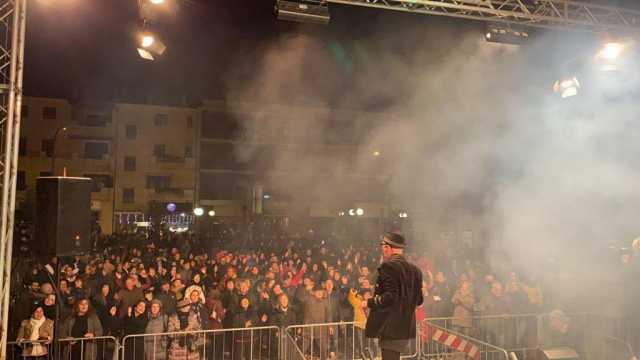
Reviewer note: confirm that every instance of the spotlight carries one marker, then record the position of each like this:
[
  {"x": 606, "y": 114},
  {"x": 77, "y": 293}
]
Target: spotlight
[
  {"x": 359, "y": 212},
  {"x": 309, "y": 11},
  {"x": 212, "y": 213},
  {"x": 341, "y": 213},
  {"x": 156, "y": 2},
  {"x": 149, "y": 46},
  {"x": 610, "y": 51},
  {"x": 567, "y": 87},
  {"x": 376, "y": 153},
  {"x": 198, "y": 211},
  {"x": 505, "y": 35},
  {"x": 403, "y": 215},
  {"x": 352, "y": 212}
]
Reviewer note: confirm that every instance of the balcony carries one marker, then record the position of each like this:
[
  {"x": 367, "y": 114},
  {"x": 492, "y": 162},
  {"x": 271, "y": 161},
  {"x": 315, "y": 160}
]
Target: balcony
[
  {"x": 170, "y": 194},
  {"x": 172, "y": 162},
  {"x": 91, "y": 165}
]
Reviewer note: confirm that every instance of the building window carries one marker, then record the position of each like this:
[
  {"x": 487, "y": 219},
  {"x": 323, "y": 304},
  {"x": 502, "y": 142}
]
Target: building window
[
  {"x": 129, "y": 163},
  {"x": 22, "y": 181},
  {"x": 94, "y": 120},
  {"x": 49, "y": 113},
  {"x": 132, "y": 132},
  {"x": 47, "y": 147},
  {"x": 188, "y": 151},
  {"x": 161, "y": 120},
  {"x": 96, "y": 150},
  {"x": 158, "y": 182},
  {"x": 189, "y": 121},
  {"x": 45, "y": 173},
  {"x": 128, "y": 195},
  {"x": 24, "y": 111},
  {"x": 159, "y": 150},
  {"x": 22, "y": 147}
]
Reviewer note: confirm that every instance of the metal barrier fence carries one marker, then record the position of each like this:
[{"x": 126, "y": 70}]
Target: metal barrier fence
[
  {"x": 455, "y": 345},
  {"x": 24, "y": 349},
  {"x": 90, "y": 348},
  {"x": 339, "y": 340},
  {"x": 253, "y": 343},
  {"x": 516, "y": 333}
]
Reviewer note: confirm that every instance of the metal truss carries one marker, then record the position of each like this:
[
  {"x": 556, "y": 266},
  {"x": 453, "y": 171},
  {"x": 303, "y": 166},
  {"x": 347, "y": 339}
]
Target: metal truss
[
  {"x": 12, "y": 35},
  {"x": 555, "y": 14}
]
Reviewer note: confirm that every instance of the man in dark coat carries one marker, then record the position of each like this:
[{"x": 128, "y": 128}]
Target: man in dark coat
[{"x": 398, "y": 292}]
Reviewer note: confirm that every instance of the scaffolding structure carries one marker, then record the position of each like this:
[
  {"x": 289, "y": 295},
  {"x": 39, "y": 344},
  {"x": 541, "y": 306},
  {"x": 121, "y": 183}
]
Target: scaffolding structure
[
  {"x": 553, "y": 14},
  {"x": 12, "y": 36}
]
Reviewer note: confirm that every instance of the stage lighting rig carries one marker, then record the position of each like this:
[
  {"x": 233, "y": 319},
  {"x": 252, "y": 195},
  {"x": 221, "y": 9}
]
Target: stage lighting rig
[
  {"x": 149, "y": 46},
  {"x": 506, "y": 34},
  {"x": 306, "y": 11}
]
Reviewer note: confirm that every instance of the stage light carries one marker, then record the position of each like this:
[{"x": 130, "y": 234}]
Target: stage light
[
  {"x": 376, "y": 153},
  {"x": 309, "y": 12},
  {"x": 156, "y": 2},
  {"x": 403, "y": 215},
  {"x": 150, "y": 46},
  {"x": 500, "y": 33},
  {"x": 198, "y": 211},
  {"x": 610, "y": 51},
  {"x": 341, "y": 213},
  {"x": 359, "y": 212},
  {"x": 147, "y": 40},
  {"x": 352, "y": 212},
  {"x": 567, "y": 87},
  {"x": 212, "y": 213}
]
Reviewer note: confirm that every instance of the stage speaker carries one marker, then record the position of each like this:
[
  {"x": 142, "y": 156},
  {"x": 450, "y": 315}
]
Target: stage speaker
[
  {"x": 559, "y": 353},
  {"x": 63, "y": 215}
]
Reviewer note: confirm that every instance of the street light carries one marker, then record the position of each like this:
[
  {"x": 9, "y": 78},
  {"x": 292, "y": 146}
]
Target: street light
[
  {"x": 198, "y": 211},
  {"x": 53, "y": 148}
]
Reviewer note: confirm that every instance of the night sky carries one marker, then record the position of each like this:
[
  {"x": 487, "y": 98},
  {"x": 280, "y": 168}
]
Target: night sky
[{"x": 84, "y": 50}]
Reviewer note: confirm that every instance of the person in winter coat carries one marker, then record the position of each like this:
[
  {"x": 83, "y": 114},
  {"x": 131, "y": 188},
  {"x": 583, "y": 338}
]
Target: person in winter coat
[
  {"x": 35, "y": 335},
  {"x": 82, "y": 324},
  {"x": 398, "y": 291},
  {"x": 243, "y": 318},
  {"x": 184, "y": 346},
  {"x": 464, "y": 302},
  {"x": 135, "y": 323},
  {"x": 155, "y": 347}
]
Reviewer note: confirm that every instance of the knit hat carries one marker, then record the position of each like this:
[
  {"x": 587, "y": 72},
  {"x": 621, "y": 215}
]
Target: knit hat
[{"x": 394, "y": 240}]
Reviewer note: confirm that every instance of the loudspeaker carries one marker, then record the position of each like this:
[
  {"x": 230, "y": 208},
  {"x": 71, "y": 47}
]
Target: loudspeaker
[
  {"x": 559, "y": 353},
  {"x": 63, "y": 215}
]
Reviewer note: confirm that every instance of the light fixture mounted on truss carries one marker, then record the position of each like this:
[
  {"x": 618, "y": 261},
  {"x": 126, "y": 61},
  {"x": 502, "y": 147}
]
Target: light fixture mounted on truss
[{"x": 306, "y": 11}]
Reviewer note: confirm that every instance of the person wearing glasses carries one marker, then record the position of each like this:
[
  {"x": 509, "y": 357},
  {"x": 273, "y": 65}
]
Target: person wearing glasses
[{"x": 397, "y": 293}]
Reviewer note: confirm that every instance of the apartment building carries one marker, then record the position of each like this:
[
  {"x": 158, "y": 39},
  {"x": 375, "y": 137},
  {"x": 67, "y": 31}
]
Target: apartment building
[{"x": 139, "y": 156}]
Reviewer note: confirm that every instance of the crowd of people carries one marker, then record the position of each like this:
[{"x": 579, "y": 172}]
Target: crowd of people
[{"x": 150, "y": 284}]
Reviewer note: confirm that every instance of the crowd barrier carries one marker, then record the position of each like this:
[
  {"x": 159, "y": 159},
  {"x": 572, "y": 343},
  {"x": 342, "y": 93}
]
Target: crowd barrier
[
  {"x": 254, "y": 343},
  {"x": 516, "y": 333},
  {"x": 437, "y": 342},
  {"x": 494, "y": 336},
  {"x": 22, "y": 349},
  {"x": 338, "y": 340},
  {"x": 90, "y": 348}
]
